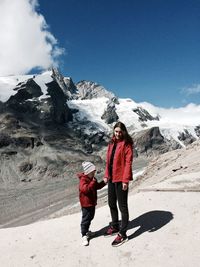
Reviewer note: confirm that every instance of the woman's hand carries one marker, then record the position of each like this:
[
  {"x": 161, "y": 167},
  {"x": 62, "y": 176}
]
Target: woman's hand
[{"x": 124, "y": 186}]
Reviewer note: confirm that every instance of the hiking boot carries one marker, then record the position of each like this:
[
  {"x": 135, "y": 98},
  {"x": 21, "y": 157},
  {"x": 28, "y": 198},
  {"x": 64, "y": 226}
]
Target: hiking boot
[
  {"x": 119, "y": 240},
  {"x": 111, "y": 231},
  {"x": 85, "y": 241}
]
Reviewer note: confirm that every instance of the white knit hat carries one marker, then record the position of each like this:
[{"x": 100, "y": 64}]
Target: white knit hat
[{"x": 88, "y": 167}]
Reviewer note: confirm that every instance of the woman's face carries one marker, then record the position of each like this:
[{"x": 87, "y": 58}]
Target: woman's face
[{"x": 118, "y": 133}]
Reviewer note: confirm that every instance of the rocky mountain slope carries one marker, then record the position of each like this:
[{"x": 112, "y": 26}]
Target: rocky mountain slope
[
  {"x": 179, "y": 168},
  {"x": 39, "y": 153}
]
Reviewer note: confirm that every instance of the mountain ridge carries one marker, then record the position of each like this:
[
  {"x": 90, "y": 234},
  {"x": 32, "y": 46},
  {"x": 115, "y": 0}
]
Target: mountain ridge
[{"x": 137, "y": 116}]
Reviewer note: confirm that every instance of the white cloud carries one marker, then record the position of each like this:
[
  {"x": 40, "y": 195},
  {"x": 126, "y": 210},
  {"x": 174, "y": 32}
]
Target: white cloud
[
  {"x": 195, "y": 89},
  {"x": 25, "y": 39}
]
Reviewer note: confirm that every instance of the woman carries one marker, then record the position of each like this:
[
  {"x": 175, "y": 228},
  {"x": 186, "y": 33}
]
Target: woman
[{"x": 118, "y": 173}]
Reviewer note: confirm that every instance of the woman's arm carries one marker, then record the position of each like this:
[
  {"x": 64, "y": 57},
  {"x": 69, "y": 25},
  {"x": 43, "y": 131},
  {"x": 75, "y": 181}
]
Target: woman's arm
[{"x": 127, "y": 175}]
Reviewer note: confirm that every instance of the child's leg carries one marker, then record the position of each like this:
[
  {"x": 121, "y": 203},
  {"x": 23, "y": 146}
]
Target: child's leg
[{"x": 87, "y": 216}]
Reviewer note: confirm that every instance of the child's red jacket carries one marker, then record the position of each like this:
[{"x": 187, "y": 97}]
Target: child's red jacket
[{"x": 88, "y": 190}]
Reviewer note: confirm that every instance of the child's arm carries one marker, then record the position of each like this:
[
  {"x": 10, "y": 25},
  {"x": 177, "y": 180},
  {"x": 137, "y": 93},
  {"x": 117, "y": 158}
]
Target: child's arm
[
  {"x": 100, "y": 185},
  {"x": 86, "y": 185}
]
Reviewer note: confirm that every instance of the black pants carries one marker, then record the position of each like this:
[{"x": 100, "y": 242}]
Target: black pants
[
  {"x": 116, "y": 194},
  {"x": 87, "y": 217}
]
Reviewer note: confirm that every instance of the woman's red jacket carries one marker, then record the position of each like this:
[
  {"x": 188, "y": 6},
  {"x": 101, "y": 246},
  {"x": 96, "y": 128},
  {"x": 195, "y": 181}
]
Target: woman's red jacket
[{"x": 122, "y": 162}]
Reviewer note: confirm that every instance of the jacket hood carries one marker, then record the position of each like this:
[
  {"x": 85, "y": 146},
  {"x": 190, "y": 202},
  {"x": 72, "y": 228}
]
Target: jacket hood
[{"x": 80, "y": 175}]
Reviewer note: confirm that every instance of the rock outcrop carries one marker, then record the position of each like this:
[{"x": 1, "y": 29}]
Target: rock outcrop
[
  {"x": 197, "y": 130},
  {"x": 144, "y": 115},
  {"x": 151, "y": 142},
  {"x": 110, "y": 114},
  {"x": 28, "y": 105},
  {"x": 186, "y": 137}
]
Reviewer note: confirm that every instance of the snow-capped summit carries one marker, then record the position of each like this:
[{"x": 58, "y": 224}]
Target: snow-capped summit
[{"x": 89, "y": 90}]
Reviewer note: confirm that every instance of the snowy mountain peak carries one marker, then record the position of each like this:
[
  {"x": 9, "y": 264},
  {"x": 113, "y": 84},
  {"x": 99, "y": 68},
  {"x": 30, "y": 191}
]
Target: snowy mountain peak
[{"x": 89, "y": 90}]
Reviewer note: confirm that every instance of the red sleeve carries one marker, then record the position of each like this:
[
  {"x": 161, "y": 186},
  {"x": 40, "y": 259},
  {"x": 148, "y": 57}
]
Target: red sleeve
[
  {"x": 127, "y": 176},
  {"x": 100, "y": 185},
  {"x": 86, "y": 185}
]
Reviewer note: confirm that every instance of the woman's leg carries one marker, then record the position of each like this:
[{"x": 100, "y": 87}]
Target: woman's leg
[
  {"x": 112, "y": 202},
  {"x": 122, "y": 197}
]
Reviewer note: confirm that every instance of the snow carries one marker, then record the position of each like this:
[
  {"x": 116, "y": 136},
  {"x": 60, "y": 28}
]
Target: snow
[
  {"x": 7, "y": 84},
  {"x": 90, "y": 109},
  {"x": 41, "y": 80}
]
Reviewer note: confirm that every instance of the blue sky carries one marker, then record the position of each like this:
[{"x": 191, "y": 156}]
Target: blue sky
[{"x": 147, "y": 50}]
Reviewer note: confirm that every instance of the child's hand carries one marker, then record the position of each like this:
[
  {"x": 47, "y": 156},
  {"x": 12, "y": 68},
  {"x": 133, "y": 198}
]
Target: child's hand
[{"x": 105, "y": 180}]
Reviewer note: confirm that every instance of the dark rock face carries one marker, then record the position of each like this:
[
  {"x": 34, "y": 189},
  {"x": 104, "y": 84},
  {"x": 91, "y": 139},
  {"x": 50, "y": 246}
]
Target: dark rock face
[
  {"x": 186, "y": 137},
  {"x": 5, "y": 140},
  {"x": 110, "y": 114},
  {"x": 144, "y": 115},
  {"x": 71, "y": 88},
  {"x": 90, "y": 137},
  {"x": 59, "y": 79},
  {"x": 197, "y": 130},
  {"x": 30, "y": 87},
  {"x": 66, "y": 84},
  {"x": 27, "y": 105},
  {"x": 1, "y": 106},
  {"x": 151, "y": 141},
  {"x": 28, "y": 90},
  {"x": 59, "y": 111}
]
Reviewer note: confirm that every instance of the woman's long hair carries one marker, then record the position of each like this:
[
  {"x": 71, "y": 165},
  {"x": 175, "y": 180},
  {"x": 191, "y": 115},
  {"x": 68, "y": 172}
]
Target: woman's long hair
[{"x": 126, "y": 137}]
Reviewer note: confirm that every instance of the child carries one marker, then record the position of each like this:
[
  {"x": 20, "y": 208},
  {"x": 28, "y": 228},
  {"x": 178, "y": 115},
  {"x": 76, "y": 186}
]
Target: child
[{"x": 88, "y": 187}]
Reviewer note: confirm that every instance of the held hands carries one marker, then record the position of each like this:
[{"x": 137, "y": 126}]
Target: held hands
[
  {"x": 105, "y": 180},
  {"x": 124, "y": 186}
]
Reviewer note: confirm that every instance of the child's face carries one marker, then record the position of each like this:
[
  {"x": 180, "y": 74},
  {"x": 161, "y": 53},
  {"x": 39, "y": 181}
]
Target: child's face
[{"x": 91, "y": 174}]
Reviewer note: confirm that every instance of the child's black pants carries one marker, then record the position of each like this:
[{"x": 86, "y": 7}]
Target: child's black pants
[{"x": 87, "y": 216}]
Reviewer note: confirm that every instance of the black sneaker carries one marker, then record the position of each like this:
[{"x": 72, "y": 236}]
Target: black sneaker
[
  {"x": 111, "y": 231},
  {"x": 91, "y": 234},
  {"x": 119, "y": 240}
]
